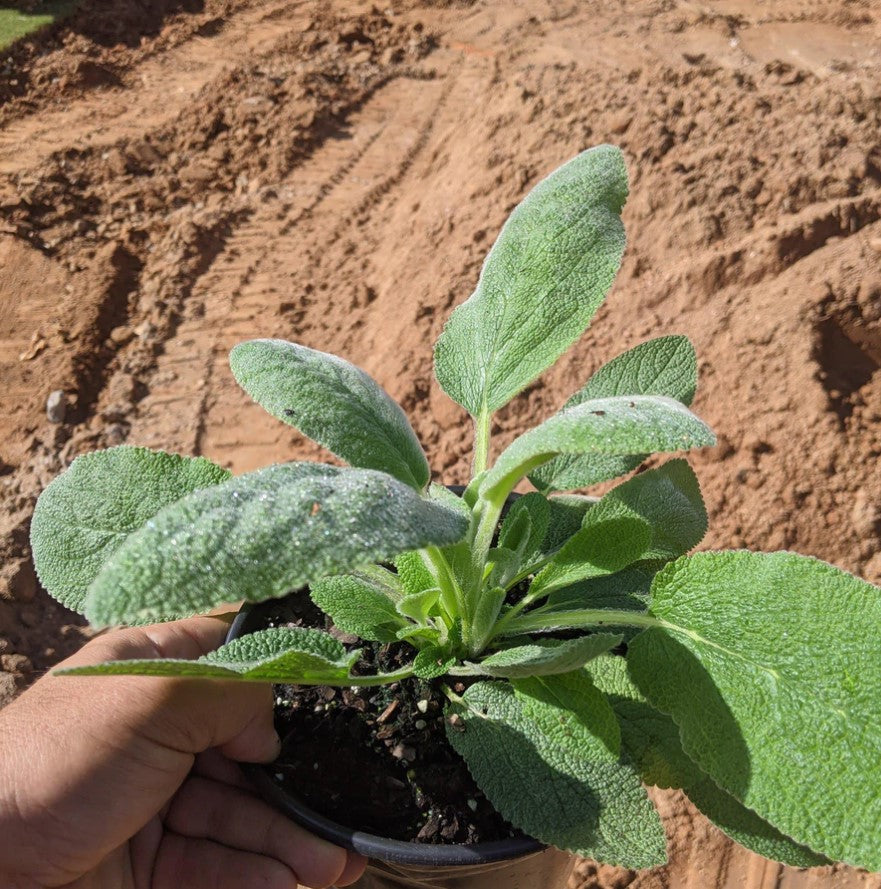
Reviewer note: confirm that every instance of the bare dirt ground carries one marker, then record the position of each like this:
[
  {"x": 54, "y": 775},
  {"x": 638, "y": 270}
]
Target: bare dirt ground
[{"x": 174, "y": 181}]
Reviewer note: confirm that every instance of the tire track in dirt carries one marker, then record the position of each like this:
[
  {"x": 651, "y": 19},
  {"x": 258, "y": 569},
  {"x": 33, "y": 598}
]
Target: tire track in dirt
[
  {"x": 168, "y": 83},
  {"x": 242, "y": 295}
]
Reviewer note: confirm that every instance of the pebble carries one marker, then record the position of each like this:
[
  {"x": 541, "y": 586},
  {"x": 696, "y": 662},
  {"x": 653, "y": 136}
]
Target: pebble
[
  {"x": 56, "y": 406},
  {"x": 400, "y": 751},
  {"x": 420, "y": 724},
  {"x": 422, "y": 706}
]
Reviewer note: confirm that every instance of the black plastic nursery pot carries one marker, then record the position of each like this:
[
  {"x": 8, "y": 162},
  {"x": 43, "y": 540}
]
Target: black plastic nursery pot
[{"x": 519, "y": 862}]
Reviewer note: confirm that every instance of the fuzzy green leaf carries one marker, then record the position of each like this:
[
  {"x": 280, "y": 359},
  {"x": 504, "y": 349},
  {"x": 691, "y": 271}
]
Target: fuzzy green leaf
[
  {"x": 261, "y": 535},
  {"x": 545, "y": 657},
  {"x": 417, "y": 636},
  {"x": 516, "y": 528},
  {"x": 487, "y": 611},
  {"x": 669, "y": 499},
  {"x": 601, "y": 548},
  {"x": 504, "y": 565},
  {"x": 525, "y": 526},
  {"x": 585, "y": 801},
  {"x": 572, "y": 712},
  {"x": 431, "y": 662},
  {"x": 358, "y": 605},
  {"x": 665, "y": 366},
  {"x": 449, "y": 498},
  {"x": 334, "y": 403},
  {"x": 629, "y": 425},
  {"x": 545, "y": 277},
  {"x": 659, "y": 514},
  {"x": 772, "y": 677},
  {"x": 566, "y": 516},
  {"x": 279, "y": 654},
  {"x": 651, "y": 741},
  {"x": 86, "y": 513},
  {"x": 624, "y": 590},
  {"x": 413, "y": 573},
  {"x": 418, "y": 606}
]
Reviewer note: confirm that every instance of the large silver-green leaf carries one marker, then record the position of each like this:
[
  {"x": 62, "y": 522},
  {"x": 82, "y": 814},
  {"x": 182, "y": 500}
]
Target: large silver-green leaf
[
  {"x": 572, "y": 712},
  {"x": 545, "y": 657},
  {"x": 545, "y": 277},
  {"x": 334, "y": 403},
  {"x": 651, "y": 740},
  {"x": 280, "y": 654},
  {"x": 580, "y": 798},
  {"x": 771, "y": 667},
  {"x": 664, "y": 366},
  {"x": 86, "y": 513},
  {"x": 628, "y": 425},
  {"x": 358, "y": 605},
  {"x": 260, "y": 535}
]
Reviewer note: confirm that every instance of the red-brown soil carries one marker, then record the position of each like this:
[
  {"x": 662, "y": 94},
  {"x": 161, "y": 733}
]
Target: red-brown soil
[{"x": 175, "y": 181}]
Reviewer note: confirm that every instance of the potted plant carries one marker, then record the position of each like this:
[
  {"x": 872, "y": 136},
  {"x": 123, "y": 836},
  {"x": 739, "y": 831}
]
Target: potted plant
[{"x": 574, "y": 650}]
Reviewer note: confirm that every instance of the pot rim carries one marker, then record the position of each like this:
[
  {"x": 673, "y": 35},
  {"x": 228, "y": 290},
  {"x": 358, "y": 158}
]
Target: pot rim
[{"x": 246, "y": 621}]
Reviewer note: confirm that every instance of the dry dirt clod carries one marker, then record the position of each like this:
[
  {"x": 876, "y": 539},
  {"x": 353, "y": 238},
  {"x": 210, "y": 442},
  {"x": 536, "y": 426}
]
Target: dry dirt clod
[{"x": 56, "y": 406}]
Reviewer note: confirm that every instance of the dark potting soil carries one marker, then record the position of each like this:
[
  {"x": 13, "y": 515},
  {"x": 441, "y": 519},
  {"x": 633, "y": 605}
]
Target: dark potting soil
[{"x": 376, "y": 758}]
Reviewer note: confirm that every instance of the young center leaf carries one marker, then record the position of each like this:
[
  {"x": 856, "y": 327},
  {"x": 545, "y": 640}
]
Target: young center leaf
[
  {"x": 618, "y": 425},
  {"x": 358, "y": 605},
  {"x": 545, "y": 277},
  {"x": 771, "y": 671},
  {"x": 86, "y": 513},
  {"x": 664, "y": 366},
  {"x": 261, "y": 535},
  {"x": 599, "y": 808},
  {"x": 292, "y": 655},
  {"x": 651, "y": 741},
  {"x": 526, "y": 525},
  {"x": 334, "y": 403}
]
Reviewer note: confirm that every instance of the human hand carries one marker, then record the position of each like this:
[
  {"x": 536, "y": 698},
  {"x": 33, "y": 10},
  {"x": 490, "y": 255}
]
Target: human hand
[{"x": 128, "y": 782}]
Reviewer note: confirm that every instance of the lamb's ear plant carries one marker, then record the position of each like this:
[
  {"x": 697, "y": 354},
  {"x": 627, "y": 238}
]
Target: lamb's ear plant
[{"x": 597, "y": 656}]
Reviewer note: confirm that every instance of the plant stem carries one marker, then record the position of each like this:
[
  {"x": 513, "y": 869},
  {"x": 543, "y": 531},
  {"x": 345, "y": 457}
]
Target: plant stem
[
  {"x": 481, "y": 442},
  {"x": 452, "y": 597},
  {"x": 510, "y": 615},
  {"x": 360, "y": 681},
  {"x": 451, "y": 695},
  {"x": 586, "y": 617},
  {"x": 379, "y": 679}
]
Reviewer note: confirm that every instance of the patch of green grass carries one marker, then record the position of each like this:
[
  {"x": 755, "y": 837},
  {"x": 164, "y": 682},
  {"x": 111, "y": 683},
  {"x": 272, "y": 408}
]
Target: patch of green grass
[{"x": 15, "y": 24}]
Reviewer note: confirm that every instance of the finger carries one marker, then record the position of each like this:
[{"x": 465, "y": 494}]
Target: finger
[
  {"x": 204, "y": 809},
  {"x": 189, "y": 639},
  {"x": 188, "y": 716},
  {"x": 203, "y": 864},
  {"x": 214, "y": 765},
  {"x": 353, "y": 870}
]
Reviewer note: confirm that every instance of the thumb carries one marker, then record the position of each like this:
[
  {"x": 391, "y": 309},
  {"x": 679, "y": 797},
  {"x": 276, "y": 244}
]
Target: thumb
[{"x": 186, "y": 715}]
